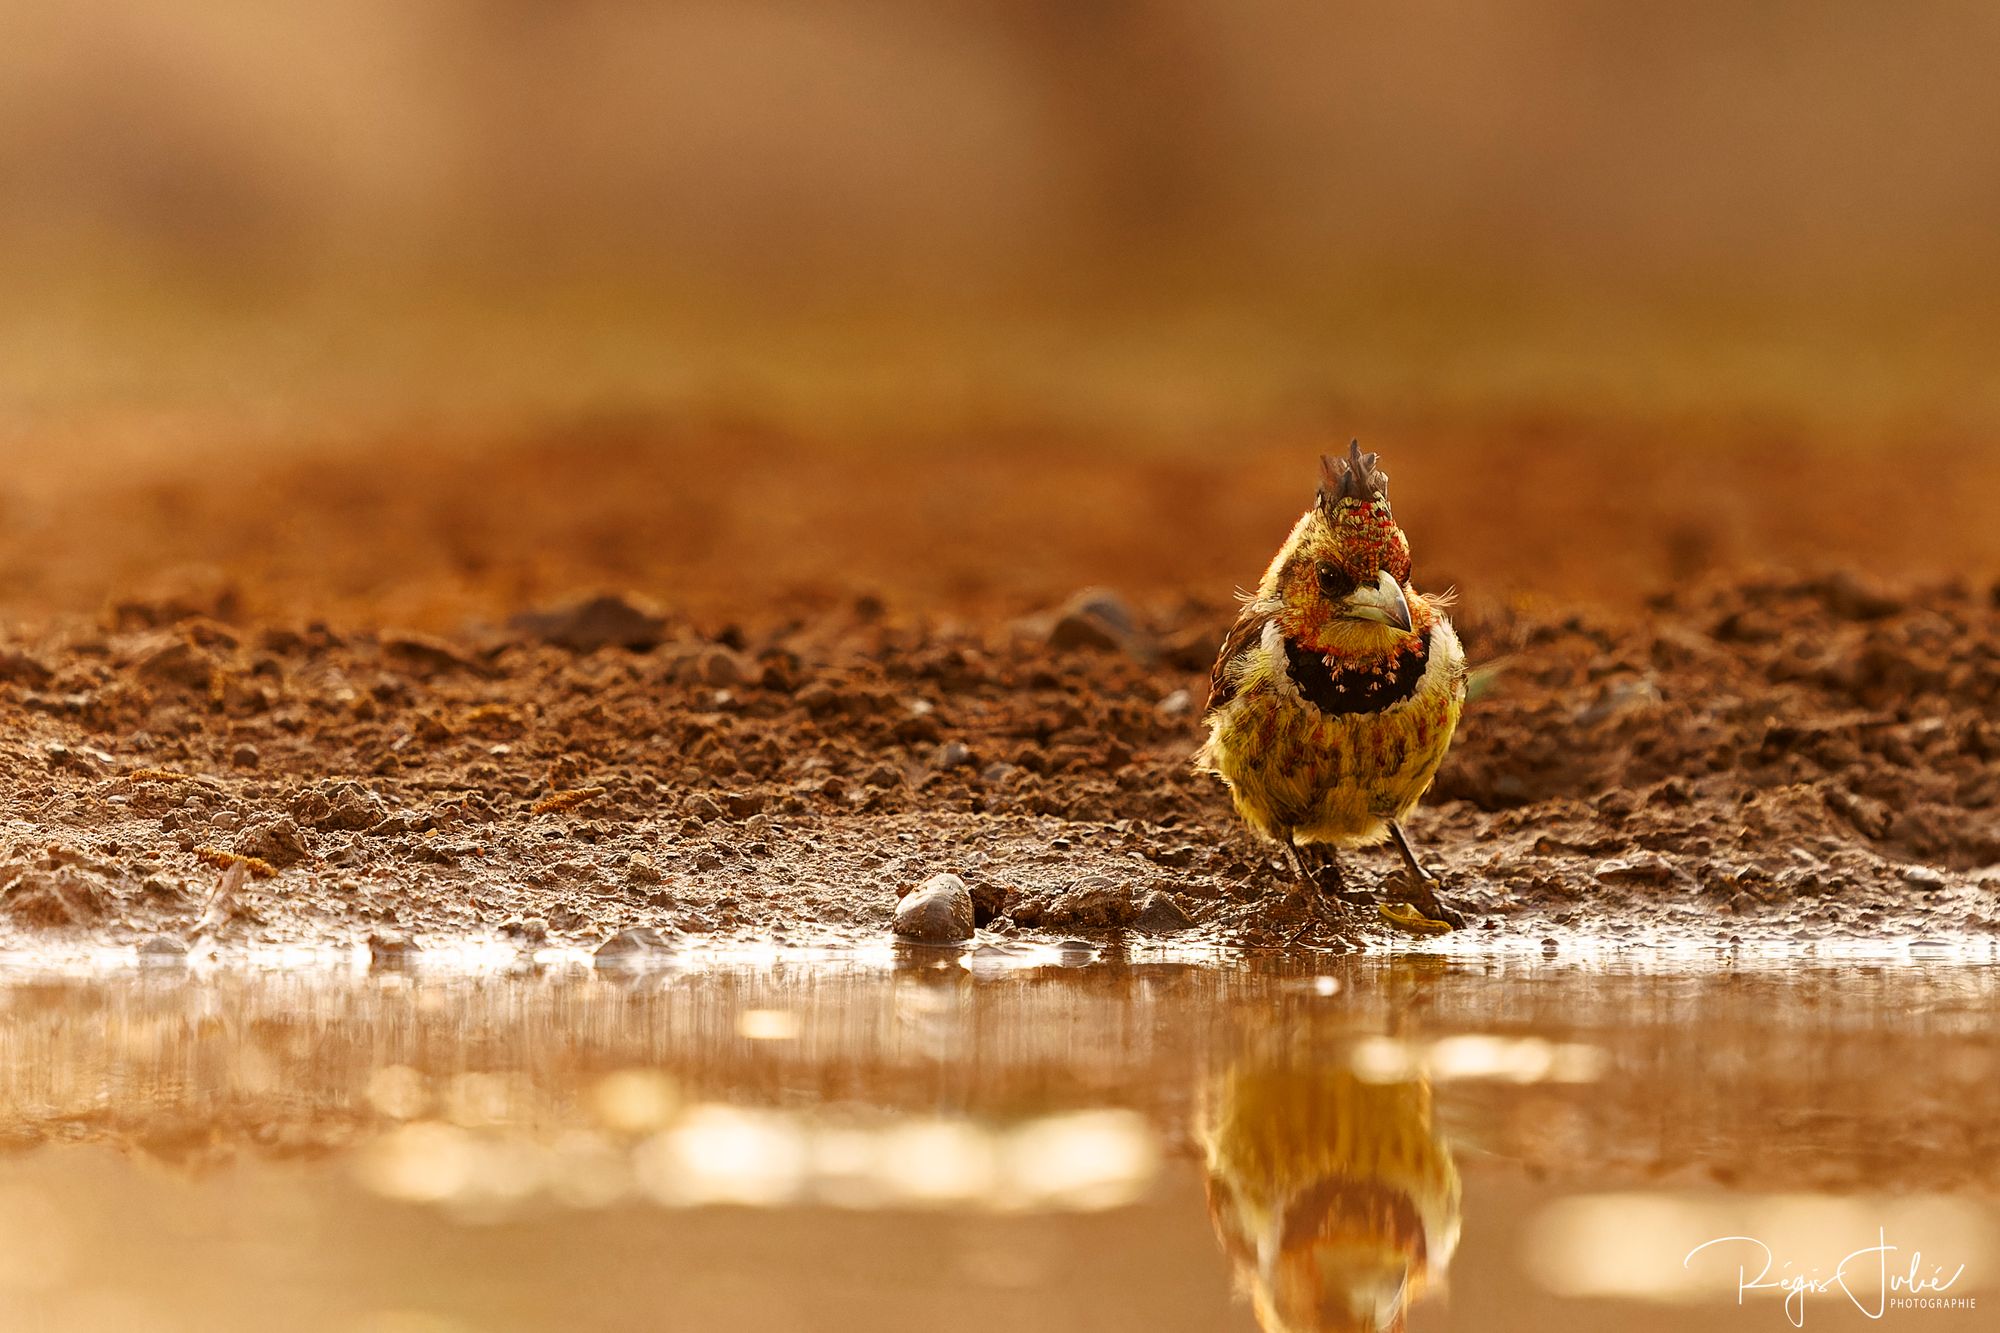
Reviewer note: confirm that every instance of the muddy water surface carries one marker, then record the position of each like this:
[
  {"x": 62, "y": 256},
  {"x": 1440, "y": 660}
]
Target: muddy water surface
[{"x": 1033, "y": 1139}]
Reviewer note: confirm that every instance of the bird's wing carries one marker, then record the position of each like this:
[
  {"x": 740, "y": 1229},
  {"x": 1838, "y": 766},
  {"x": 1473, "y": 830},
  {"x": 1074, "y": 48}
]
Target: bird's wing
[{"x": 1244, "y": 634}]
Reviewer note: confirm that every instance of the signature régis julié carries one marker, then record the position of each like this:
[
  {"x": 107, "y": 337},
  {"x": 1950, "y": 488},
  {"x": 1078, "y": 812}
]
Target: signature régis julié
[{"x": 1875, "y": 1278}]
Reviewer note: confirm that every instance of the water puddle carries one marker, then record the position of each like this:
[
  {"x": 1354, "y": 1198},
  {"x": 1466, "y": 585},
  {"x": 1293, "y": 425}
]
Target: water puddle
[{"x": 825, "y": 1144}]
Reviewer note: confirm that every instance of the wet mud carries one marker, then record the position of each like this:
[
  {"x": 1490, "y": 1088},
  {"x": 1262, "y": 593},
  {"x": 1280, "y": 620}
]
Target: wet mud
[{"x": 395, "y": 701}]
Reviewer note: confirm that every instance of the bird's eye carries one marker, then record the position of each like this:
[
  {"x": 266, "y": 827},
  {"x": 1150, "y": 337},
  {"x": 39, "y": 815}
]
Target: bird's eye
[{"x": 1334, "y": 581}]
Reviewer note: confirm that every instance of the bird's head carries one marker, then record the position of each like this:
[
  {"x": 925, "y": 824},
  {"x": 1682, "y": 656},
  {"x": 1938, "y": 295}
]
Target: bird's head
[
  {"x": 1341, "y": 579},
  {"x": 1336, "y": 1200}
]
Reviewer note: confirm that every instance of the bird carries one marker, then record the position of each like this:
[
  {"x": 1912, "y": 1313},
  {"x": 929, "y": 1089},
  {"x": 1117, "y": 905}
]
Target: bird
[
  {"x": 1336, "y": 1199},
  {"x": 1336, "y": 692}
]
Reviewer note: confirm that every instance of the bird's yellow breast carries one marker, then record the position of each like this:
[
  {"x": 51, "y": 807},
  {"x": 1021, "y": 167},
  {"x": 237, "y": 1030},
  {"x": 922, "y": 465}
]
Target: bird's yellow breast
[{"x": 1332, "y": 777}]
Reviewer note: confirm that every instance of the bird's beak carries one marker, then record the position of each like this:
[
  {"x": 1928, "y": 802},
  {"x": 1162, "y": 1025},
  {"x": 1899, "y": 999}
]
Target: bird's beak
[{"x": 1384, "y": 604}]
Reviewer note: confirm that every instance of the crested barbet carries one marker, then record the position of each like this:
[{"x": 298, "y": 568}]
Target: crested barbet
[
  {"x": 1335, "y": 695},
  {"x": 1335, "y": 1197}
]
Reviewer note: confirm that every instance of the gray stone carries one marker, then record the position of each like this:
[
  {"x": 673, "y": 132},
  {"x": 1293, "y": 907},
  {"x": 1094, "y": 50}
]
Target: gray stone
[
  {"x": 724, "y": 667},
  {"x": 425, "y": 655},
  {"x": 938, "y": 911},
  {"x": 817, "y": 697},
  {"x": 1099, "y": 620},
  {"x": 601, "y": 622},
  {"x": 177, "y": 663},
  {"x": 1161, "y": 915}
]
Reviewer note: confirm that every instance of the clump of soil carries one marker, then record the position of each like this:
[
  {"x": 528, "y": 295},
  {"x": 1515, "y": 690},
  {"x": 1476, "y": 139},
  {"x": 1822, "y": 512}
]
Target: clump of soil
[
  {"x": 1816, "y": 749},
  {"x": 59, "y": 887},
  {"x": 1808, "y": 756}
]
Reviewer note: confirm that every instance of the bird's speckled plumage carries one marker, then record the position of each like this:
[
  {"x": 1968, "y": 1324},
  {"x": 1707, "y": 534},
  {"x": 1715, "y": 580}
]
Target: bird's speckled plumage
[{"x": 1327, "y": 726}]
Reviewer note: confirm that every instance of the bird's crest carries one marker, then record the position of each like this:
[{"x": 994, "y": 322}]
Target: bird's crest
[
  {"x": 1354, "y": 477},
  {"x": 1354, "y": 514}
]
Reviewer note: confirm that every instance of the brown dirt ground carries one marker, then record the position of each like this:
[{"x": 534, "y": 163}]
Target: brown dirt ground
[{"x": 830, "y": 673}]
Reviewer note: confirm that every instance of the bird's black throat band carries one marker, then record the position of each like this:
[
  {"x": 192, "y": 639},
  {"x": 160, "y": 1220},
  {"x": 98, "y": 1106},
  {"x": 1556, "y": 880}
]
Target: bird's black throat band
[{"x": 1357, "y": 688}]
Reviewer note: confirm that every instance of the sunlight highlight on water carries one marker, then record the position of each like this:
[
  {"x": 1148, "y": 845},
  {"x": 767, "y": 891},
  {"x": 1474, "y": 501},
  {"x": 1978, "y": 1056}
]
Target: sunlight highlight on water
[{"x": 1057, "y": 1142}]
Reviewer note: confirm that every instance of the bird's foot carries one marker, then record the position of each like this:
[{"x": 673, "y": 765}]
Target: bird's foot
[
  {"x": 1320, "y": 874},
  {"x": 1406, "y": 918},
  {"x": 1320, "y": 884},
  {"x": 1416, "y": 907},
  {"x": 1321, "y": 904}
]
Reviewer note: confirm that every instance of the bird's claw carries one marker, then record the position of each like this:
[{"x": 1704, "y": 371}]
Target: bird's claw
[
  {"x": 1418, "y": 894},
  {"x": 1405, "y": 917}
]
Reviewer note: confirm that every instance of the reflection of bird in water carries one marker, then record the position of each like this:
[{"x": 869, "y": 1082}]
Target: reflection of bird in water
[{"x": 1335, "y": 1199}]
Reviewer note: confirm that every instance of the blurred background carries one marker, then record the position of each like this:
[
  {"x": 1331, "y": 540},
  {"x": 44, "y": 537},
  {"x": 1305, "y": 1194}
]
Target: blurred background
[{"x": 1205, "y": 227}]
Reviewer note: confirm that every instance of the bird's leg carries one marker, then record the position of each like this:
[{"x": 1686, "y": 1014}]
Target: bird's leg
[
  {"x": 1422, "y": 892},
  {"x": 1306, "y": 885},
  {"x": 1295, "y": 860},
  {"x": 1308, "y": 881},
  {"x": 1330, "y": 878}
]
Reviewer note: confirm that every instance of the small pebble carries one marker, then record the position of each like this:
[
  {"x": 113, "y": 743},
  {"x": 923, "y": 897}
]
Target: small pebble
[
  {"x": 938, "y": 911},
  {"x": 1160, "y": 914}
]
